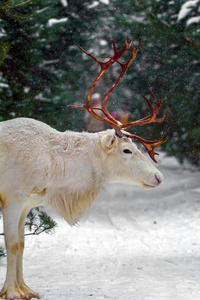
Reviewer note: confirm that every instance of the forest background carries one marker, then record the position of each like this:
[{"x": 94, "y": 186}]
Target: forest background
[{"x": 42, "y": 69}]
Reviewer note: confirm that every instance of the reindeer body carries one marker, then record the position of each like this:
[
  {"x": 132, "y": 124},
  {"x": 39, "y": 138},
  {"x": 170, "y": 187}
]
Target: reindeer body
[
  {"x": 45, "y": 166},
  {"x": 41, "y": 166}
]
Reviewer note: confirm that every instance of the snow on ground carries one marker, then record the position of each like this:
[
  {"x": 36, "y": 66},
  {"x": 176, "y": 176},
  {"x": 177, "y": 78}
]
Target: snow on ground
[{"x": 133, "y": 244}]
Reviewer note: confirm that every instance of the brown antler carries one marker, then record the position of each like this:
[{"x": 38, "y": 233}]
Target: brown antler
[
  {"x": 149, "y": 145},
  {"x": 108, "y": 119},
  {"x": 104, "y": 67},
  {"x": 152, "y": 118}
]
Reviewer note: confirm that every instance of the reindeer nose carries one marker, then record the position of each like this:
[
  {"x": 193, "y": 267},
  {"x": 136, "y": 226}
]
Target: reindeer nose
[{"x": 159, "y": 178}]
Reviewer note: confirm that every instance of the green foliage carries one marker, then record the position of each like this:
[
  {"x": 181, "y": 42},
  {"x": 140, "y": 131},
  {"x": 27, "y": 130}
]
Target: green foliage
[
  {"x": 13, "y": 4},
  {"x": 11, "y": 8},
  {"x": 38, "y": 221},
  {"x": 42, "y": 70}
]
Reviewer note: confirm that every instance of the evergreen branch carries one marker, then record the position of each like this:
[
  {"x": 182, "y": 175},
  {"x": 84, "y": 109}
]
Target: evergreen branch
[
  {"x": 35, "y": 232},
  {"x": 40, "y": 223},
  {"x": 166, "y": 25},
  {"x": 22, "y": 17},
  {"x": 14, "y": 3}
]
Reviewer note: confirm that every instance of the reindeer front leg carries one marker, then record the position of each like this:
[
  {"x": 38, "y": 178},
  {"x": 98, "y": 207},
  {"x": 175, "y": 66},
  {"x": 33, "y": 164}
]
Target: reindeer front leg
[
  {"x": 11, "y": 215},
  {"x": 29, "y": 294}
]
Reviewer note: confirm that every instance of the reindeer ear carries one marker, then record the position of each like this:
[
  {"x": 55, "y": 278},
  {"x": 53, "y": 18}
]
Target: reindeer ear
[{"x": 108, "y": 141}]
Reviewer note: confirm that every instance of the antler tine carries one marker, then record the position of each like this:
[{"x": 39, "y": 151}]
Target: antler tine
[
  {"x": 87, "y": 53},
  {"x": 127, "y": 46},
  {"x": 152, "y": 118},
  {"x": 124, "y": 67},
  {"x": 104, "y": 67},
  {"x": 114, "y": 45},
  {"x": 149, "y": 145},
  {"x": 157, "y": 104}
]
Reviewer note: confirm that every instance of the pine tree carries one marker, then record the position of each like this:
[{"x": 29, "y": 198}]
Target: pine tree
[{"x": 44, "y": 66}]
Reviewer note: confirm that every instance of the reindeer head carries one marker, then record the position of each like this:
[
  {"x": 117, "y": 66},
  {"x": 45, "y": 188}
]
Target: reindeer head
[
  {"x": 122, "y": 161},
  {"x": 109, "y": 119}
]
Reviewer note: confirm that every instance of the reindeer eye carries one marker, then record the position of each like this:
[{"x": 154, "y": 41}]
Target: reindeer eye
[{"x": 127, "y": 151}]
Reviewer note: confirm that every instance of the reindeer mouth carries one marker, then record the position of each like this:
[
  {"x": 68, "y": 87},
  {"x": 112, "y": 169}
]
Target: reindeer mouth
[{"x": 145, "y": 185}]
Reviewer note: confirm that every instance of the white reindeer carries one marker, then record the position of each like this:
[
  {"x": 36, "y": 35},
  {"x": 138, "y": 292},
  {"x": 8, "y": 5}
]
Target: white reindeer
[{"x": 41, "y": 166}]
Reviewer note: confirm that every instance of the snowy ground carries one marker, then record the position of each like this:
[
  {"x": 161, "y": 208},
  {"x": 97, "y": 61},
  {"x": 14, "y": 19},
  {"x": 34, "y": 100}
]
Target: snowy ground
[{"x": 133, "y": 244}]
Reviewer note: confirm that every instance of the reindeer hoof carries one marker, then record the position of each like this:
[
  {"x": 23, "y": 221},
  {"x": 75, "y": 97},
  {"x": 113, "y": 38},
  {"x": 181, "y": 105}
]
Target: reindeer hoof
[
  {"x": 18, "y": 294},
  {"x": 5, "y": 293},
  {"x": 32, "y": 296},
  {"x": 2, "y": 293}
]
